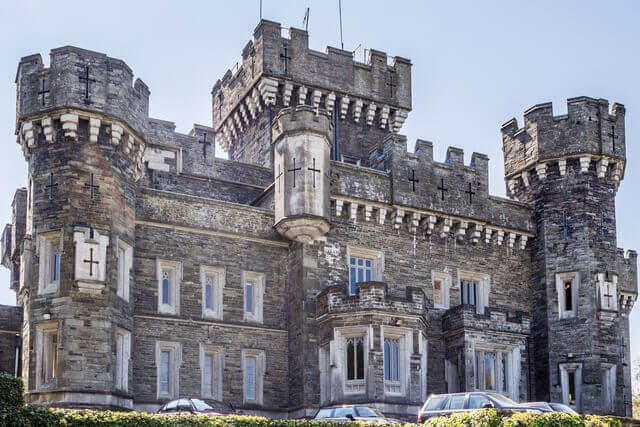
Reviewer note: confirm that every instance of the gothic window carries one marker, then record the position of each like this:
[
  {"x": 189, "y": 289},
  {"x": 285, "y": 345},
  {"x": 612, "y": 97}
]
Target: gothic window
[
  {"x": 50, "y": 256},
  {"x": 567, "y": 285},
  {"x": 123, "y": 352},
  {"x": 253, "y": 367},
  {"x": 391, "y": 371},
  {"x": 46, "y": 353},
  {"x": 364, "y": 265},
  {"x": 474, "y": 289},
  {"x": 212, "y": 279},
  {"x": 211, "y": 366},
  {"x": 253, "y": 285},
  {"x": 168, "y": 361},
  {"x": 125, "y": 261},
  {"x": 493, "y": 370},
  {"x": 571, "y": 380},
  {"x": 169, "y": 278},
  {"x": 609, "y": 386},
  {"x": 355, "y": 359},
  {"x": 441, "y": 284}
]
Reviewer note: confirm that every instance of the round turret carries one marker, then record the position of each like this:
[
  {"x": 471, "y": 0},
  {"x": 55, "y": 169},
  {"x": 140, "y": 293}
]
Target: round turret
[{"x": 301, "y": 148}]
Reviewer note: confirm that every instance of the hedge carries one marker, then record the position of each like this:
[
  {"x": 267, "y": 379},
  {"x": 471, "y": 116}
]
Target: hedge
[
  {"x": 11, "y": 391},
  {"x": 29, "y": 416}
]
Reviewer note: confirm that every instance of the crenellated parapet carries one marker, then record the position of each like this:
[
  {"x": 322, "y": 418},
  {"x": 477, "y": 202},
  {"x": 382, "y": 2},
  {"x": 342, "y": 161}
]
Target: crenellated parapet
[
  {"x": 282, "y": 72},
  {"x": 589, "y": 136},
  {"x": 413, "y": 193},
  {"x": 371, "y": 296},
  {"x": 463, "y": 317}
]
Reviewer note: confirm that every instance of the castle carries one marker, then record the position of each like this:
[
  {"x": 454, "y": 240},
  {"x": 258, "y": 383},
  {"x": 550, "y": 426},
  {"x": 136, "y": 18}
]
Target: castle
[{"x": 322, "y": 263}]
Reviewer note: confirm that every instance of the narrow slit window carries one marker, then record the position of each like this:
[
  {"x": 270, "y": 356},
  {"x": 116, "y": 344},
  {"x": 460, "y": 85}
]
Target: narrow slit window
[
  {"x": 164, "y": 371},
  {"x": 166, "y": 284},
  {"x": 56, "y": 266},
  {"x": 568, "y": 296},
  {"x": 572, "y": 387},
  {"x": 249, "y": 298}
]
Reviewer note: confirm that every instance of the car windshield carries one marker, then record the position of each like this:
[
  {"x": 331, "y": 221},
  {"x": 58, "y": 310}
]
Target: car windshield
[
  {"x": 171, "y": 406},
  {"x": 503, "y": 400},
  {"x": 563, "y": 408},
  {"x": 366, "y": 412},
  {"x": 201, "y": 405},
  {"x": 324, "y": 413},
  {"x": 434, "y": 402},
  {"x": 343, "y": 412}
]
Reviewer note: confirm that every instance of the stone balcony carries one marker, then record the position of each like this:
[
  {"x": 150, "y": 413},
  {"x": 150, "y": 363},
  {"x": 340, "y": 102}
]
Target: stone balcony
[
  {"x": 463, "y": 317},
  {"x": 371, "y": 296}
]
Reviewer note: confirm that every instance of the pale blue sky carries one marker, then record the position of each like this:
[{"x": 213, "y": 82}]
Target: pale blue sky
[{"x": 475, "y": 65}]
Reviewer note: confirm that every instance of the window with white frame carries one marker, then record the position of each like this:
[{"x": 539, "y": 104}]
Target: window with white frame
[
  {"x": 497, "y": 369},
  {"x": 567, "y": 286},
  {"x": 364, "y": 265},
  {"x": 609, "y": 386},
  {"x": 474, "y": 289},
  {"x": 46, "y": 353},
  {"x": 50, "y": 253},
  {"x": 253, "y": 368},
  {"x": 253, "y": 285},
  {"x": 397, "y": 346},
  {"x": 212, "y": 279},
  {"x": 168, "y": 361},
  {"x": 211, "y": 368},
  {"x": 125, "y": 262},
  {"x": 607, "y": 291},
  {"x": 169, "y": 276},
  {"x": 571, "y": 380},
  {"x": 350, "y": 355},
  {"x": 123, "y": 354},
  {"x": 441, "y": 283}
]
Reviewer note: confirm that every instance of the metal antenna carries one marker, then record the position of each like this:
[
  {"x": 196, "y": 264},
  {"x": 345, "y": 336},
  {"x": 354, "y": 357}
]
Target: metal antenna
[
  {"x": 260, "y": 9},
  {"x": 340, "y": 11},
  {"x": 305, "y": 21}
]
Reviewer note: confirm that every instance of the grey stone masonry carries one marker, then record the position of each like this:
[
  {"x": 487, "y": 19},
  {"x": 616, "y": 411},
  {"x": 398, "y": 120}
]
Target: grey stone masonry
[{"x": 321, "y": 263}]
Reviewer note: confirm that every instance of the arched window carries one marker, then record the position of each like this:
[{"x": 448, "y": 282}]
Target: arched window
[
  {"x": 391, "y": 371},
  {"x": 355, "y": 359}
]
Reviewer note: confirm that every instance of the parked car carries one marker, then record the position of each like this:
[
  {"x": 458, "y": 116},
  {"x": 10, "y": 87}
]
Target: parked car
[
  {"x": 551, "y": 407},
  {"x": 186, "y": 406},
  {"x": 446, "y": 404},
  {"x": 365, "y": 414}
]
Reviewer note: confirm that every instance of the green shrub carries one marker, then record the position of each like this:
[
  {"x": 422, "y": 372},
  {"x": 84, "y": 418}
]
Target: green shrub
[
  {"x": 11, "y": 391},
  {"x": 29, "y": 416}
]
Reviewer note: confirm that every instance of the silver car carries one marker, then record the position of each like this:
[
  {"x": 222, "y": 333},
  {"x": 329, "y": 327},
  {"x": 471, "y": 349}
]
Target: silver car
[{"x": 345, "y": 413}]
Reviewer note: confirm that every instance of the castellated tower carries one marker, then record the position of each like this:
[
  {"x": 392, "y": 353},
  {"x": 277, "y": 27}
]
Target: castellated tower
[
  {"x": 81, "y": 124},
  {"x": 569, "y": 168},
  {"x": 301, "y": 149}
]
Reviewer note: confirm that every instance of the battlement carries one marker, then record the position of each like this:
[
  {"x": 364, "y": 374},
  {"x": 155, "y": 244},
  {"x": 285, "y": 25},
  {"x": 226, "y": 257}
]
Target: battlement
[
  {"x": 371, "y": 296},
  {"x": 589, "y": 129},
  {"x": 83, "y": 80},
  {"x": 283, "y": 71},
  {"x": 494, "y": 319}
]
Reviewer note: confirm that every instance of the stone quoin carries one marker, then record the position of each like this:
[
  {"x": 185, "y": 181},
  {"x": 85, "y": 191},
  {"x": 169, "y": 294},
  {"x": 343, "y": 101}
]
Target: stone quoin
[{"x": 322, "y": 262}]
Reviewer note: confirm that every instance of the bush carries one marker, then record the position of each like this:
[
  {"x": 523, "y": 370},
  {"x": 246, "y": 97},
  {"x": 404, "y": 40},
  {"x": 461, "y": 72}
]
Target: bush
[
  {"x": 28, "y": 416},
  {"x": 11, "y": 391}
]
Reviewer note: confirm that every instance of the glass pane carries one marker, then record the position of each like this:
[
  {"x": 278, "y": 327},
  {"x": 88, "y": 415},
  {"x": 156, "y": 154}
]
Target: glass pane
[
  {"x": 208, "y": 360},
  {"x": 435, "y": 402},
  {"x": 201, "y": 405},
  {"x": 568, "y": 300},
  {"x": 164, "y": 371},
  {"x": 360, "y": 275},
  {"x": 165, "y": 291},
  {"x": 360, "y": 360},
  {"x": 352, "y": 284},
  {"x": 475, "y": 363},
  {"x": 368, "y": 263},
  {"x": 249, "y": 298},
  {"x": 324, "y": 413},
  {"x": 353, "y": 261},
  {"x": 504, "y": 372},
  {"x": 208, "y": 301},
  {"x": 489, "y": 372},
  {"x": 456, "y": 401},
  {"x": 250, "y": 378},
  {"x": 350, "y": 361},
  {"x": 572, "y": 388},
  {"x": 477, "y": 401},
  {"x": 368, "y": 276},
  {"x": 360, "y": 261},
  {"x": 387, "y": 362},
  {"x": 366, "y": 412},
  {"x": 343, "y": 412},
  {"x": 394, "y": 359},
  {"x": 56, "y": 267}
]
